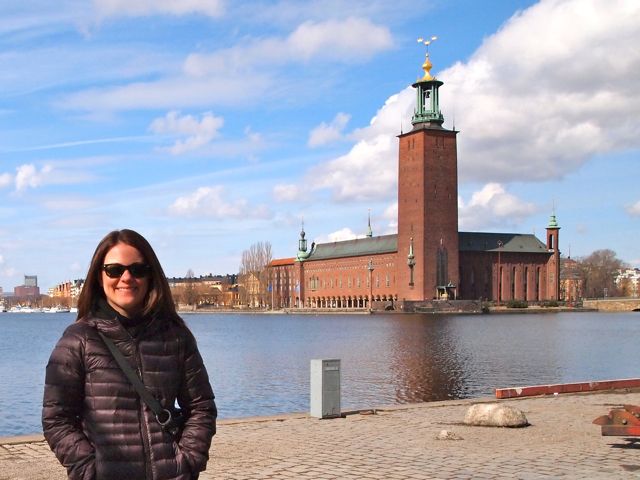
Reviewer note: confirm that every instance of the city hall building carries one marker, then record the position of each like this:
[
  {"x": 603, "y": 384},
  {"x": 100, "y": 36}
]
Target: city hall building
[{"x": 428, "y": 262}]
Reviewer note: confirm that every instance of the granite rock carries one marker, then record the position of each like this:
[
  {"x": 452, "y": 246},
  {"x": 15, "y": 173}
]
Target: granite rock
[{"x": 495, "y": 415}]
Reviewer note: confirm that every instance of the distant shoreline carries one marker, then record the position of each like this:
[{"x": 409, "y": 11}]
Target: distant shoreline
[{"x": 294, "y": 311}]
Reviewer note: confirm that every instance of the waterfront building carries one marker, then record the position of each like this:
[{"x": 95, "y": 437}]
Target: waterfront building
[
  {"x": 68, "y": 291},
  {"x": 628, "y": 282},
  {"x": 29, "y": 290},
  {"x": 571, "y": 281},
  {"x": 205, "y": 290},
  {"x": 428, "y": 259}
]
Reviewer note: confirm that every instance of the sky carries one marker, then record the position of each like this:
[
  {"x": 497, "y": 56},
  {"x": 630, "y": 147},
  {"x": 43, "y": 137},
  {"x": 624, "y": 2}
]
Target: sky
[{"x": 210, "y": 125}]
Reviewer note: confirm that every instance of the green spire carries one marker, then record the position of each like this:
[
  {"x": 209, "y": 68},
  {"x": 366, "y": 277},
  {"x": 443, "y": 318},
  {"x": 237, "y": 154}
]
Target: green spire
[
  {"x": 369, "y": 231},
  {"x": 553, "y": 223},
  {"x": 428, "y": 101},
  {"x": 302, "y": 245}
]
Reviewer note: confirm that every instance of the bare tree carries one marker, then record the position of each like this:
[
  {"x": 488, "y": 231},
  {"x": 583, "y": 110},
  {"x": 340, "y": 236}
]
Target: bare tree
[
  {"x": 190, "y": 293},
  {"x": 253, "y": 276},
  {"x": 599, "y": 271},
  {"x": 625, "y": 287}
]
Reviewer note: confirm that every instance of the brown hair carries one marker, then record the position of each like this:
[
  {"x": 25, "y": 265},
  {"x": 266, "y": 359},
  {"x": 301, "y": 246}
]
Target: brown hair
[{"x": 158, "y": 301}]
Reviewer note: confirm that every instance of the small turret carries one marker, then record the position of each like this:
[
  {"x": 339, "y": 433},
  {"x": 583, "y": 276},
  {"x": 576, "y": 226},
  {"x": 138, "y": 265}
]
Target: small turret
[{"x": 302, "y": 245}]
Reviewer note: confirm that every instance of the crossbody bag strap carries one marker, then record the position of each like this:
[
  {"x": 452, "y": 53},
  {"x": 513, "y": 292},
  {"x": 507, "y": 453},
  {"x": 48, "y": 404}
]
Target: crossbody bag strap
[{"x": 162, "y": 414}]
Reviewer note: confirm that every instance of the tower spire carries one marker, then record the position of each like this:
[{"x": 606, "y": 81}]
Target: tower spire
[
  {"x": 369, "y": 231},
  {"x": 428, "y": 102}
]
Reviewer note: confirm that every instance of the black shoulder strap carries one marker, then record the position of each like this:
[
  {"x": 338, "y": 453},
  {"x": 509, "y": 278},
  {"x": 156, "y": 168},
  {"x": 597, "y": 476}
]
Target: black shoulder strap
[{"x": 145, "y": 395}]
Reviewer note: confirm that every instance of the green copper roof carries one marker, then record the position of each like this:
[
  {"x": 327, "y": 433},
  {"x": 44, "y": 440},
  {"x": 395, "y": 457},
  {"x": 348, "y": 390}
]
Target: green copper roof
[
  {"x": 553, "y": 223},
  {"x": 511, "y": 242},
  {"x": 468, "y": 242},
  {"x": 355, "y": 248}
]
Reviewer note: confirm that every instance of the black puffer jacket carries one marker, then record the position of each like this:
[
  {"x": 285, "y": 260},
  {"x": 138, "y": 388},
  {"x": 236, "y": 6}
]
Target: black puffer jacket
[{"x": 94, "y": 420}]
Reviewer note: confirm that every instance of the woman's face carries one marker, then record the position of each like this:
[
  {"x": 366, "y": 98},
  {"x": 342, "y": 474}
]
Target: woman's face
[{"x": 126, "y": 293}]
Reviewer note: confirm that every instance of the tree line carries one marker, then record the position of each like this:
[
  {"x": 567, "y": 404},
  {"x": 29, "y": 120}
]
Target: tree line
[{"x": 599, "y": 272}]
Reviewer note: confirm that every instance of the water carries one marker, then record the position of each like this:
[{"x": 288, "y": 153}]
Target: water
[{"x": 259, "y": 364}]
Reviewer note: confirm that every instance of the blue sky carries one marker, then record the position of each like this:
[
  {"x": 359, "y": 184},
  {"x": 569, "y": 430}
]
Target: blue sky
[{"x": 210, "y": 125}]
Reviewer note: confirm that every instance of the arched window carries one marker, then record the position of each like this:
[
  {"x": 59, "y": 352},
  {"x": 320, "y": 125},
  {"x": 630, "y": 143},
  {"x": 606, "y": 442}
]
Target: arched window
[{"x": 551, "y": 242}]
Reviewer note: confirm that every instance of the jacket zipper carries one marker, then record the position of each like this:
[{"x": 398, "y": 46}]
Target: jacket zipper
[{"x": 144, "y": 424}]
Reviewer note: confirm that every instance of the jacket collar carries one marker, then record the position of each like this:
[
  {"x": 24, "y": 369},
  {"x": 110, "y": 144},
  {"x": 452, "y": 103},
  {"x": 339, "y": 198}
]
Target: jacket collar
[{"x": 121, "y": 328}]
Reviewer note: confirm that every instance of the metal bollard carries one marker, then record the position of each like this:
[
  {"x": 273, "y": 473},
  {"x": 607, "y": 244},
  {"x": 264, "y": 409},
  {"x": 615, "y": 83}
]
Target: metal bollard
[{"x": 325, "y": 388}]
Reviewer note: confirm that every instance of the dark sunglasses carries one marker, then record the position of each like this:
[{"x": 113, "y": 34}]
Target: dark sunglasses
[{"x": 116, "y": 270}]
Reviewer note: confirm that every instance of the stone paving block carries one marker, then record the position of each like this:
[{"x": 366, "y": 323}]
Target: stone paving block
[{"x": 399, "y": 444}]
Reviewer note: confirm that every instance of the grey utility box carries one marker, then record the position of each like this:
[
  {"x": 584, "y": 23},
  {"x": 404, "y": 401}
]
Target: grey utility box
[{"x": 325, "y": 388}]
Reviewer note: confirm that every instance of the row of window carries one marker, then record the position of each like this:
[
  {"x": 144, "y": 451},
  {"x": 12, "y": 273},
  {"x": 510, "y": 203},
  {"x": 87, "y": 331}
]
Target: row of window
[{"x": 315, "y": 282}]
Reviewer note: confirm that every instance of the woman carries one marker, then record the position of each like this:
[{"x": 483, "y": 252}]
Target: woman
[{"x": 93, "y": 418}]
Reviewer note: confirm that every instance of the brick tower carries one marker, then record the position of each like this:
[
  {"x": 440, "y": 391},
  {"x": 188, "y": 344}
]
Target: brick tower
[
  {"x": 553, "y": 266},
  {"x": 427, "y": 200}
]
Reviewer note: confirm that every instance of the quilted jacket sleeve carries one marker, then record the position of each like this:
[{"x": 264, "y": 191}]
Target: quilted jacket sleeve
[
  {"x": 196, "y": 397},
  {"x": 62, "y": 405}
]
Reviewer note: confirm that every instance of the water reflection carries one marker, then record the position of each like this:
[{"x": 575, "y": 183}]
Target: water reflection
[{"x": 426, "y": 359}]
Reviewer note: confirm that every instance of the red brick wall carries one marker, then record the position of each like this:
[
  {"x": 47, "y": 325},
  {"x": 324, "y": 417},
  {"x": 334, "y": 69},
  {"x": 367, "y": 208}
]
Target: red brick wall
[
  {"x": 479, "y": 276},
  {"x": 427, "y": 209},
  {"x": 348, "y": 278}
]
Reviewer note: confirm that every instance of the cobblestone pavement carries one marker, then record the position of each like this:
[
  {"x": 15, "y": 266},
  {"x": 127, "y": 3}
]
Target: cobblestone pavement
[{"x": 400, "y": 443}]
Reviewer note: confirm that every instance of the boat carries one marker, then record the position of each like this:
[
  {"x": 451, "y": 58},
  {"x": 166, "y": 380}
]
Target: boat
[
  {"x": 57, "y": 309},
  {"x": 23, "y": 309}
]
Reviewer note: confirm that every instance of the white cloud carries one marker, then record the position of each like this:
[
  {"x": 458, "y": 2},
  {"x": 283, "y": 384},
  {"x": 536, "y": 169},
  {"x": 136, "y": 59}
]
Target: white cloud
[
  {"x": 107, "y": 8},
  {"x": 287, "y": 193},
  {"x": 339, "y": 236},
  {"x": 225, "y": 89},
  {"x": 213, "y": 202},
  {"x": 198, "y": 133},
  {"x": 369, "y": 170},
  {"x": 327, "y": 133},
  {"x": 28, "y": 176},
  {"x": 6, "y": 179},
  {"x": 352, "y": 39},
  {"x": 634, "y": 210},
  {"x": 492, "y": 206},
  {"x": 531, "y": 106},
  {"x": 225, "y": 77},
  {"x": 390, "y": 214},
  {"x": 554, "y": 86}
]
